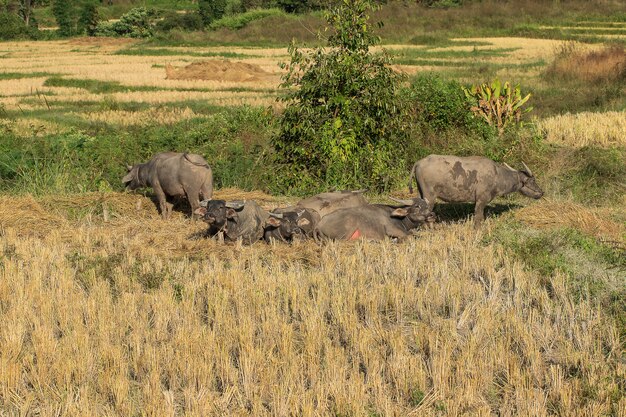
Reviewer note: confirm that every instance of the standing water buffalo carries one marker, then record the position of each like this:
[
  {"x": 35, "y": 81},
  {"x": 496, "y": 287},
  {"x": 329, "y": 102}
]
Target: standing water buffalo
[
  {"x": 471, "y": 179},
  {"x": 172, "y": 174},
  {"x": 374, "y": 221},
  {"x": 243, "y": 220}
]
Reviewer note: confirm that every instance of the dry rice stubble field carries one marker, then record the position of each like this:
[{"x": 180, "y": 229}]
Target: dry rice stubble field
[{"x": 136, "y": 316}]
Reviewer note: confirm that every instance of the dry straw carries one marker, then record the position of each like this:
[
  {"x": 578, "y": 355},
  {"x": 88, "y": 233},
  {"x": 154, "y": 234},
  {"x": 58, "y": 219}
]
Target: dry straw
[
  {"x": 586, "y": 128},
  {"x": 596, "y": 222}
]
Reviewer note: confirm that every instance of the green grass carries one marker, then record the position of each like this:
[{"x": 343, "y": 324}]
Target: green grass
[
  {"x": 19, "y": 75},
  {"x": 95, "y": 86}
]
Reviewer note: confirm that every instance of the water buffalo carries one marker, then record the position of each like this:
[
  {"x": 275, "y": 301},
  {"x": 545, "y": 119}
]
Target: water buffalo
[
  {"x": 296, "y": 221},
  {"x": 470, "y": 179},
  {"x": 374, "y": 221},
  {"x": 172, "y": 174},
  {"x": 326, "y": 203},
  {"x": 244, "y": 220}
]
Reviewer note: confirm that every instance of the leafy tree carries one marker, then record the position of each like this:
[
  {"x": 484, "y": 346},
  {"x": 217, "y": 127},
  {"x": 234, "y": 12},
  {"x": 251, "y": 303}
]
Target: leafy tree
[
  {"x": 137, "y": 23},
  {"x": 344, "y": 123},
  {"x": 211, "y": 10},
  {"x": 63, "y": 13},
  {"x": 88, "y": 19}
]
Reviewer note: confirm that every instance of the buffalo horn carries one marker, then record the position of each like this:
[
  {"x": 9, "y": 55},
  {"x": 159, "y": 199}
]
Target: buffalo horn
[
  {"x": 204, "y": 203},
  {"x": 277, "y": 215},
  {"x": 528, "y": 171},
  {"x": 508, "y": 166},
  {"x": 234, "y": 204},
  {"x": 405, "y": 202}
]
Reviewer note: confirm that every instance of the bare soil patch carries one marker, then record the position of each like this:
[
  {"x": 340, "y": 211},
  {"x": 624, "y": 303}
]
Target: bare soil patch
[{"x": 218, "y": 70}]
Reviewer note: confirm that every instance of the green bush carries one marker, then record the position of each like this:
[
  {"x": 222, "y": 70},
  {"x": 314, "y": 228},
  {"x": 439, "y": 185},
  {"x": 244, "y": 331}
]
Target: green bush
[
  {"x": 238, "y": 21},
  {"x": 12, "y": 27},
  {"x": 137, "y": 23},
  {"x": 235, "y": 142},
  {"x": 440, "y": 104},
  {"x": 211, "y": 10},
  {"x": 183, "y": 21},
  {"x": 344, "y": 123}
]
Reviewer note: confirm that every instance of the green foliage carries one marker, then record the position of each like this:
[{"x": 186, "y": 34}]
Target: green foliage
[
  {"x": 238, "y": 21},
  {"x": 137, "y": 23},
  {"x": 88, "y": 19},
  {"x": 300, "y": 6},
  {"x": 184, "y": 21},
  {"x": 440, "y": 104},
  {"x": 211, "y": 10},
  {"x": 65, "y": 16},
  {"x": 12, "y": 27},
  {"x": 498, "y": 104},
  {"x": 344, "y": 121},
  {"x": 235, "y": 142}
]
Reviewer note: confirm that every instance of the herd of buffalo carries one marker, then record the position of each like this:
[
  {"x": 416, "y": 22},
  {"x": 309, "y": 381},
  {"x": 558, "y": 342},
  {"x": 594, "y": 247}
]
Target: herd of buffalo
[{"x": 342, "y": 215}]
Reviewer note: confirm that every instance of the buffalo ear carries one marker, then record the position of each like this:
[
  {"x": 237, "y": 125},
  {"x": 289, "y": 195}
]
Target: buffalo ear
[
  {"x": 200, "y": 211},
  {"x": 272, "y": 221},
  {"x": 399, "y": 212},
  {"x": 303, "y": 222},
  {"x": 231, "y": 213}
]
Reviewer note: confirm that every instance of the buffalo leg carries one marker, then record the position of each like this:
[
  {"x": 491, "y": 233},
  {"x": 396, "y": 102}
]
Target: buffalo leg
[
  {"x": 165, "y": 212},
  {"x": 479, "y": 213},
  {"x": 394, "y": 231},
  {"x": 193, "y": 198}
]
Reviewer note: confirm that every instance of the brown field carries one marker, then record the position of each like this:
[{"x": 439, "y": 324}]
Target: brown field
[{"x": 125, "y": 317}]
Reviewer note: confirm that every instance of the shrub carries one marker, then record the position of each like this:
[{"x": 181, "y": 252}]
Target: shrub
[
  {"x": 344, "y": 123},
  {"x": 65, "y": 16},
  {"x": 137, "y": 23},
  {"x": 440, "y": 104},
  {"x": 211, "y": 10},
  {"x": 596, "y": 66},
  {"x": 237, "y": 21},
  {"x": 182, "y": 21},
  {"x": 500, "y": 105},
  {"x": 88, "y": 19},
  {"x": 12, "y": 27}
]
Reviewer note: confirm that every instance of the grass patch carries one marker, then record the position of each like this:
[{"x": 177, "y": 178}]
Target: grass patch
[
  {"x": 238, "y": 21},
  {"x": 95, "y": 86},
  {"x": 19, "y": 75}
]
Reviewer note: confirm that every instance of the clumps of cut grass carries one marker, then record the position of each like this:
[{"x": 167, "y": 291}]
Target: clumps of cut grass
[
  {"x": 596, "y": 66},
  {"x": 586, "y": 128}
]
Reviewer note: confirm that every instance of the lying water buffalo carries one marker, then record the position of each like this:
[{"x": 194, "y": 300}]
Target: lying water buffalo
[
  {"x": 326, "y": 203},
  {"x": 374, "y": 221},
  {"x": 296, "y": 221},
  {"x": 243, "y": 220},
  {"x": 471, "y": 179},
  {"x": 172, "y": 174}
]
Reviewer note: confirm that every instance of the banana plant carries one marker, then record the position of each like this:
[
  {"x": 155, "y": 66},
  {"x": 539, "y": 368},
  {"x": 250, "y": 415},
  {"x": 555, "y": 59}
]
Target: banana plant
[{"x": 498, "y": 104}]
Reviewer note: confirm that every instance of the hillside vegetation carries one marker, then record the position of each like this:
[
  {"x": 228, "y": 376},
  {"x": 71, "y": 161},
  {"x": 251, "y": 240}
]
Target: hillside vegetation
[{"x": 110, "y": 310}]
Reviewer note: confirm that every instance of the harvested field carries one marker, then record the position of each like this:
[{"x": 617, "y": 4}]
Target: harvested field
[
  {"x": 136, "y": 318},
  {"x": 584, "y": 129}
]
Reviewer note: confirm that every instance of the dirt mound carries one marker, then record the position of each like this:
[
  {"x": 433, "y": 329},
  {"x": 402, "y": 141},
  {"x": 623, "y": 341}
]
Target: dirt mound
[{"x": 218, "y": 70}]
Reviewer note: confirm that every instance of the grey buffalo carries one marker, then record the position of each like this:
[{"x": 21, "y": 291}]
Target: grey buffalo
[
  {"x": 374, "y": 221},
  {"x": 172, "y": 174},
  {"x": 470, "y": 179},
  {"x": 326, "y": 203},
  {"x": 244, "y": 220}
]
